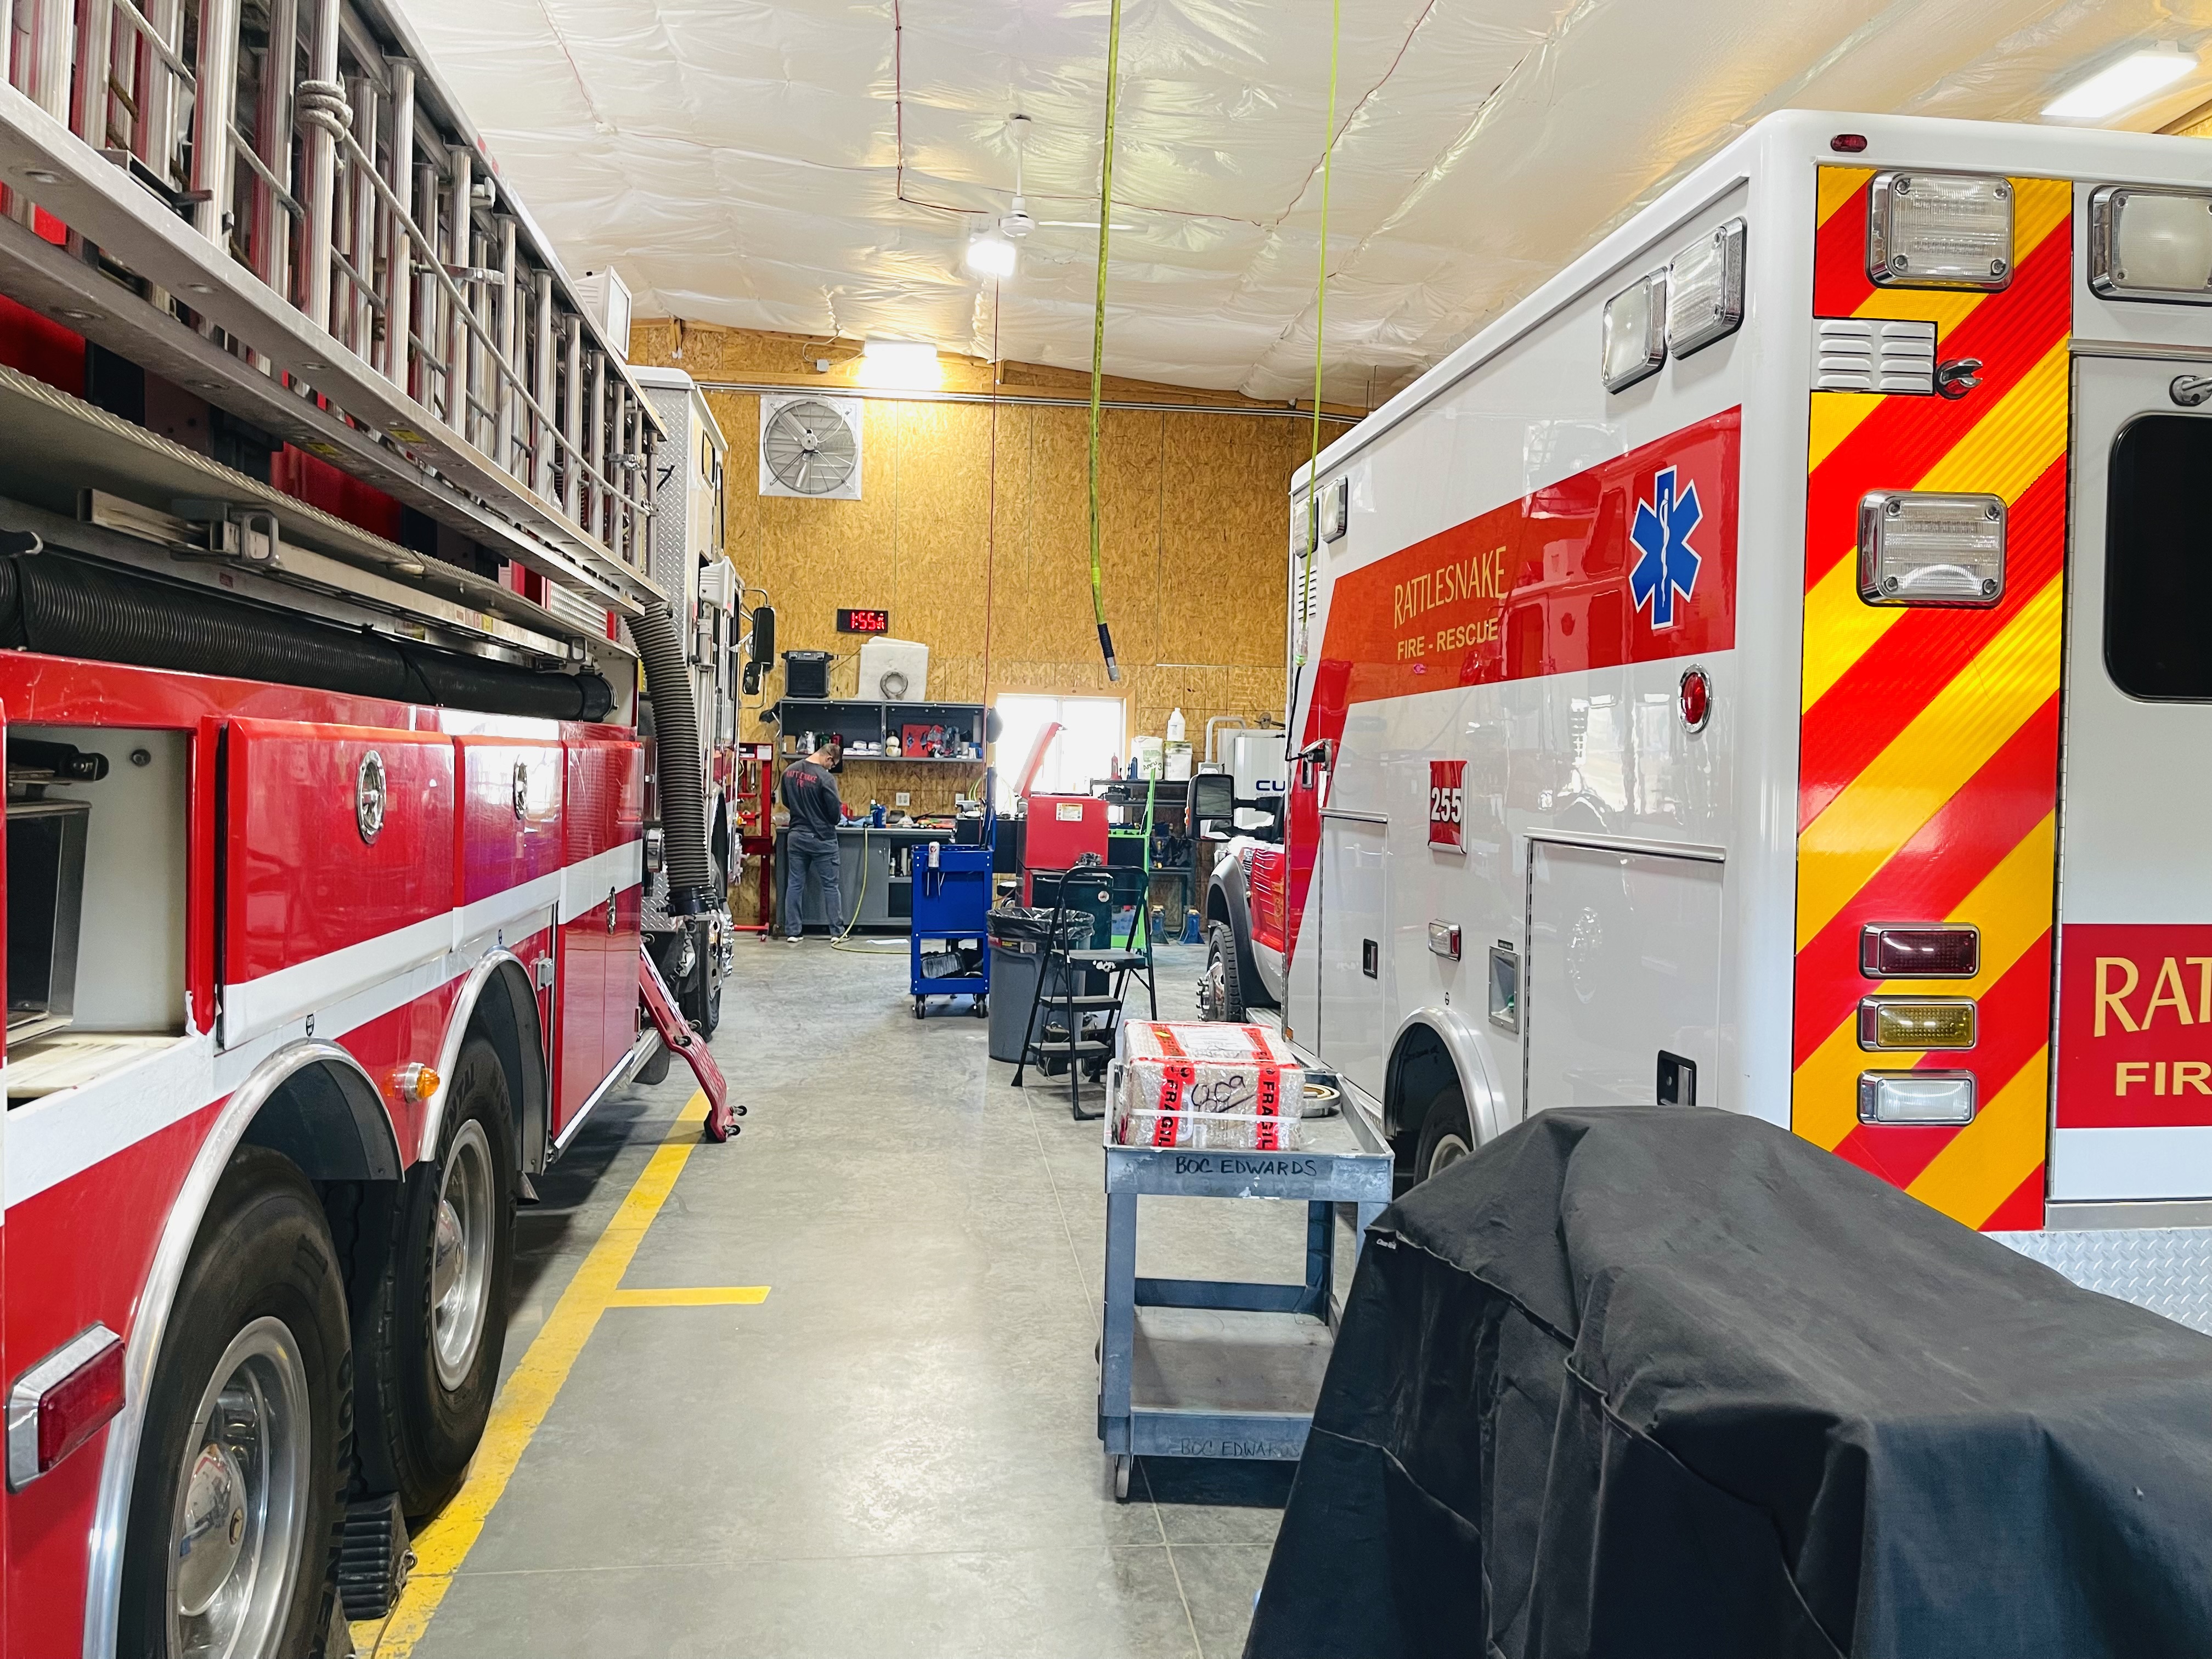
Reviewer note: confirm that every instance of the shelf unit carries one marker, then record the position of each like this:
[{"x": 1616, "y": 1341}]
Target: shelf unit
[{"x": 860, "y": 720}]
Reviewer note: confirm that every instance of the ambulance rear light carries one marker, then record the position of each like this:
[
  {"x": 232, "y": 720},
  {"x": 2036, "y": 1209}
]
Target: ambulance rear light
[
  {"x": 1939, "y": 230},
  {"x": 1925, "y": 547},
  {"x": 1635, "y": 343},
  {"x": 1887, "y": 951},
  {"x": 1925, "y": 1098},
  {"x": 1705, "y": 291},
  {"x": 1916, "y": 1023},
  {"x": 2151, "y": 244}
]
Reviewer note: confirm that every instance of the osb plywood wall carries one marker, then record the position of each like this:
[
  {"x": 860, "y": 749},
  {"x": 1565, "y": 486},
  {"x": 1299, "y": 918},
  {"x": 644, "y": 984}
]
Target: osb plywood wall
[{"x": 973, "y": 530}]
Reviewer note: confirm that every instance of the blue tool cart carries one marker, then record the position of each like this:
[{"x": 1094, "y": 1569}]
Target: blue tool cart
[{"x": 951, "y": 897}]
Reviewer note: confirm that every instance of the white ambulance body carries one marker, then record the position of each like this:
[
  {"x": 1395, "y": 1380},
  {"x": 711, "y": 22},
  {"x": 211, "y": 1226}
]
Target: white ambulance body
[{"x": 1626, "y": 767}]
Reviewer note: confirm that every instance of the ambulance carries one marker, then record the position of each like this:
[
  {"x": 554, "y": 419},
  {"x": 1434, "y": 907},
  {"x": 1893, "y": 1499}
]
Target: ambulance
[{"x": 1770, "y": 669}]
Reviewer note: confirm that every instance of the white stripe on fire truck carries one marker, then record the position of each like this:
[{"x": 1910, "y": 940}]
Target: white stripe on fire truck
[{"x": 252, "y": 1006}]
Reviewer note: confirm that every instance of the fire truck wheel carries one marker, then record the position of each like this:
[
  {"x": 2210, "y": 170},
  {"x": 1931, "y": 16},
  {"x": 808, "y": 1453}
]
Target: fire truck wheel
[
  {"x": 1220, "y": 992},
  {"x": 656, "y": 1069},
  {"x": 233, "y": 1530},
  {"x": 438, "y": 1320},
  {"x": 1445, "y": 1137}
]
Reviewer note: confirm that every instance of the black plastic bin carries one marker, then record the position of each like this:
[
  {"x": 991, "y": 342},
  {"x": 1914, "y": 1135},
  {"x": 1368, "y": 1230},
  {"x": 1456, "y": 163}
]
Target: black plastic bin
[{"x": 1018, "y": 944}]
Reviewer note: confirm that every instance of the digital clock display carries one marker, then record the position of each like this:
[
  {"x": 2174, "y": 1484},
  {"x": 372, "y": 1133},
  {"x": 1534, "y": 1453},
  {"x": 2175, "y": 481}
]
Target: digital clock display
[{"x": 864, "y": 622}]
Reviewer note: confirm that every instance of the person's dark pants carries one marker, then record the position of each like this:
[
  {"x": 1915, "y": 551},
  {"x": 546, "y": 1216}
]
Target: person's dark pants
[{"x": 804, "y": 852}]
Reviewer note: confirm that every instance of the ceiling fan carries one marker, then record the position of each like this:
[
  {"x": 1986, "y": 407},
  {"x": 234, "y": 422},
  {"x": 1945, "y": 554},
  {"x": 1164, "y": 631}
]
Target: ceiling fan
[{"x": 1016, "y": 222}]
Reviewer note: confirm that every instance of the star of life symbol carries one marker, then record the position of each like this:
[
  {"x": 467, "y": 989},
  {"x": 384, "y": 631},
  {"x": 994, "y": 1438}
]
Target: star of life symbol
[{"x": 1669, "y": 564}]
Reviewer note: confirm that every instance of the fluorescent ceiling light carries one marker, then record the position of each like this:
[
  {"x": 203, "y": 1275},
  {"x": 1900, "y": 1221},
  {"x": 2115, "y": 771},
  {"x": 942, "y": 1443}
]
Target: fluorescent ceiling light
[
  {"x": 2123, "y": 85},
  {"x": 991, "y": 256},
  {"x": 910, "y": 364}
]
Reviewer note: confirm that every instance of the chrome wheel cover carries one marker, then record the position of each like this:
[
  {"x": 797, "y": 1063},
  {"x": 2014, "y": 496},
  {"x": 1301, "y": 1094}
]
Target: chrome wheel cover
[
  {"x": 1448, "y": 1150},
  {"x": 1214, "y": 989},
  {"x": 242, "y": 1504},
  {"x": 461, "y": 1243}
]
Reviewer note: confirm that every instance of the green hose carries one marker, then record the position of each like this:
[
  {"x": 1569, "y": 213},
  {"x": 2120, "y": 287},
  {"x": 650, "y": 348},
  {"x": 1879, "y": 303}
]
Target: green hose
[
  {"x": 1098, "y": 333},
  {"x": 1321, "y": 311}
]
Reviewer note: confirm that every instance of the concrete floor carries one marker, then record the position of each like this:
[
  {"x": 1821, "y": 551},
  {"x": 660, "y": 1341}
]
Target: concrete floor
[{"x": 896, "y": 1453}]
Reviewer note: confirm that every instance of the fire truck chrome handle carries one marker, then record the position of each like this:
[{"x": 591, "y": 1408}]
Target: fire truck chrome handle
[
  {"x": 1957, "y": 377},
  {"x": 2190, "y": 389}
]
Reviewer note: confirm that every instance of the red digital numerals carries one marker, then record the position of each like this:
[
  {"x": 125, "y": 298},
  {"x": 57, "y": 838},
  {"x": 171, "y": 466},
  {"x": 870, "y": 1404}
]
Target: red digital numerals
[{"x": 1447, "y": 805}]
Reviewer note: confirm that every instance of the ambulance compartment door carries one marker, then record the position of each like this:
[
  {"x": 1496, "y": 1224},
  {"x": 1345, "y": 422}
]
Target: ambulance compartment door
[
  {"x": 2133, "y": 1107},
  {"x": 1355, "y": 940},
  {"x": 1620, "y": 998}
]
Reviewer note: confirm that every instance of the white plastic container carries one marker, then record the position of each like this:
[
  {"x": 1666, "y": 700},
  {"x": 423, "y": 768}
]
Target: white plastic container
[
  {"x": 894, "y": 671},
  {"x": 1178, "y": 762},
  {"x": 1174, "y": 726}
]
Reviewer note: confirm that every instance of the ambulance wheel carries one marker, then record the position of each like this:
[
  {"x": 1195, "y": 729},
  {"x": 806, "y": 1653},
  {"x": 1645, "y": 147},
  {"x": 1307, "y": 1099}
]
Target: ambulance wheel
[
  {"x": 232, "y": 1541},
  {"x": 1445, "y": 1136},
  {"x": 655, "y": 1070},
  {"x": 1220, "y": 993},
  {"x": 436, "y": 1320}
]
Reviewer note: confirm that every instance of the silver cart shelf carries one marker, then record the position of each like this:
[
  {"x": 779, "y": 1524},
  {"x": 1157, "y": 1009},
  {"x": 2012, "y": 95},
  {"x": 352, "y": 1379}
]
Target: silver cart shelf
[{"x": 1214, "y": 1368}]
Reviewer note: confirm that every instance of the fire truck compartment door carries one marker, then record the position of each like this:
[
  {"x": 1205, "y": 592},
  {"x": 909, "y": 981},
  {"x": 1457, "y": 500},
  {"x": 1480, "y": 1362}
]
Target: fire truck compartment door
[
  {"x": 2133, "y": 1108},
  {"x": 1355, "y": 945},
  {"x": 1623, "y": 967}
]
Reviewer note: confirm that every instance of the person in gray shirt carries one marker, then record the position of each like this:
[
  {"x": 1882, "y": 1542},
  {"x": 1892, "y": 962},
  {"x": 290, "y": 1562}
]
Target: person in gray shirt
[{"x": 809, "y": 792}]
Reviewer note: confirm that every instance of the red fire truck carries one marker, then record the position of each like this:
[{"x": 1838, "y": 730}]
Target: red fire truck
[{"x": 325, "y": 515}]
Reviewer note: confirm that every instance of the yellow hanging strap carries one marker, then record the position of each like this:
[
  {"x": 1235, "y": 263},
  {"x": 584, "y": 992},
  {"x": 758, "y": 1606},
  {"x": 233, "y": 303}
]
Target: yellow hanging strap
[
  {"x": 1312, "y": 537},
  {"x": 1098, "y": 331}
]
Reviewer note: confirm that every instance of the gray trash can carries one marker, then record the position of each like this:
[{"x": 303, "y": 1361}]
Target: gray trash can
[{"x": 1017, "y": 943}]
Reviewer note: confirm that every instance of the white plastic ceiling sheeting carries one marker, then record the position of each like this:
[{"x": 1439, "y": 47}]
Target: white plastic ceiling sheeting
[{"x": 818, "y": 167}]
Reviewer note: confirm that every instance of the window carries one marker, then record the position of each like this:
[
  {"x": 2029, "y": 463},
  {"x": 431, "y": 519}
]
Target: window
[
  {"x": 1092, "y": 740},
  {"x": 2157, "y": 567}
]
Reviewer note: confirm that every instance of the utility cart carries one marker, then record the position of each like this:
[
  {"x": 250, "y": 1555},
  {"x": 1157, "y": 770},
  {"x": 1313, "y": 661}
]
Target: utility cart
[
  {"x": 1218, "y": 1368},
  {"x": 951, "y": 897}
]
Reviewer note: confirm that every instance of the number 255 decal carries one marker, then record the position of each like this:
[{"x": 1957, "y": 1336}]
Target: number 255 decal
[{"x": 1447, "y": 810}]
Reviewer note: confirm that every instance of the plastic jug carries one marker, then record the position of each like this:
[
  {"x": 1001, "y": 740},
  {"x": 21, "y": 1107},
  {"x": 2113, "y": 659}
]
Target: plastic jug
[{"x": 1174, "y": 726}]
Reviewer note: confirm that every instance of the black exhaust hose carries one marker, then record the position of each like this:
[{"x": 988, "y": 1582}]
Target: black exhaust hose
[
  {"x": 679, "y": 762},
  {"x": 67, "y": 607}
]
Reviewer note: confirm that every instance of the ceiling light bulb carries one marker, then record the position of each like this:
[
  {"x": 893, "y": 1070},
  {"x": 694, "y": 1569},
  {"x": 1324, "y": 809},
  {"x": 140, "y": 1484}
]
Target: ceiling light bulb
[
  {"x": 2123, "y": 85},
  {"x": 991, "y": 256}
]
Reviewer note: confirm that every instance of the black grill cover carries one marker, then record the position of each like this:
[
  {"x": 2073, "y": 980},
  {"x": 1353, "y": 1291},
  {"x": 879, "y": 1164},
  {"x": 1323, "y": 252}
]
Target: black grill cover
[{"x": 1652, "y": 1382}]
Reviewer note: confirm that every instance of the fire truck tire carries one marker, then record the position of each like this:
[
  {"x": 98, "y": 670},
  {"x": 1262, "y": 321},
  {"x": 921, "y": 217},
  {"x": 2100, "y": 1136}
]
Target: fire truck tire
[
  {"x": 1445, "y": 1136},
  {"x": 436, "y": 1323},
  {"x": 656, "y": 1069},
  {"x": 247, "y": 1436},
  {"x": 1221, "y": 991}
]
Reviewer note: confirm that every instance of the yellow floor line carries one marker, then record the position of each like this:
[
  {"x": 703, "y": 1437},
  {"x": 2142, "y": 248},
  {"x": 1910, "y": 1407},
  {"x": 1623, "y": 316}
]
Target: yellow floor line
[
  {"x": 524, "y": 1400},
  {"x": 699, "y": 1296}
]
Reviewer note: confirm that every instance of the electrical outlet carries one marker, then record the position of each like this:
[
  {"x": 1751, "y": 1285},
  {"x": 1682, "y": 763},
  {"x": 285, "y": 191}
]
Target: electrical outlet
[{"x": 902, "y": 799}]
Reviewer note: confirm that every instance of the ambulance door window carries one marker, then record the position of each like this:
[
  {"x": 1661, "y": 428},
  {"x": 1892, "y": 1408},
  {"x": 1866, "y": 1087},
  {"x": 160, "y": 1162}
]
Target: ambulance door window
[{"x": 2158, "y": 570}]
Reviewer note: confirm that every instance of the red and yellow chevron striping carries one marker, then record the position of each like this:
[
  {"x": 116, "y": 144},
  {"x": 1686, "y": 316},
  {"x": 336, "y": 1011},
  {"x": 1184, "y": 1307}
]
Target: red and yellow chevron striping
[{"x": 1928, "y": 769}]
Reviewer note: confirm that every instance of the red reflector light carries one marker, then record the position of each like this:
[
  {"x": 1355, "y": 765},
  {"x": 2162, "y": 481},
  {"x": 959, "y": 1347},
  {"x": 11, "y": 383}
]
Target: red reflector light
[
  {"x": 1848, "y": 144},
  {"x": 1892, "y": 953},
  {"x": 74, "y": 1409},
  {"x": 62, "y": 1402},
  {"x": 1695, "y": 698}
]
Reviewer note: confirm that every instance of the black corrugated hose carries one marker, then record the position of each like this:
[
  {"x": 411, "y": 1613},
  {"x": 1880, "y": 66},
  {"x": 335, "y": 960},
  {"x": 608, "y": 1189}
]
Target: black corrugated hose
[
  {"x": 67, "y": 607},
  {"x": 680, "y": 762}
]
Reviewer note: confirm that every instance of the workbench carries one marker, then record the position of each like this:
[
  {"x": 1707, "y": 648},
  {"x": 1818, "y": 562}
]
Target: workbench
[{"x": 887, "y": 856}]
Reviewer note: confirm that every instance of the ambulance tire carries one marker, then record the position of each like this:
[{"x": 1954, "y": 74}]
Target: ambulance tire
[
  {"x": 1221, "y": 993},
  {"x": 435, "y": 1325},
  {"x": 1445, "y": 1136},
  {"x": 257, "y": 1335}
]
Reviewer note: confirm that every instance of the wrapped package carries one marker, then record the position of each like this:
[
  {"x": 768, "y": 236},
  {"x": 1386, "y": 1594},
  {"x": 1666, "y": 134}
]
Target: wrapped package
[{"x": 1224, "y": 1088}]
